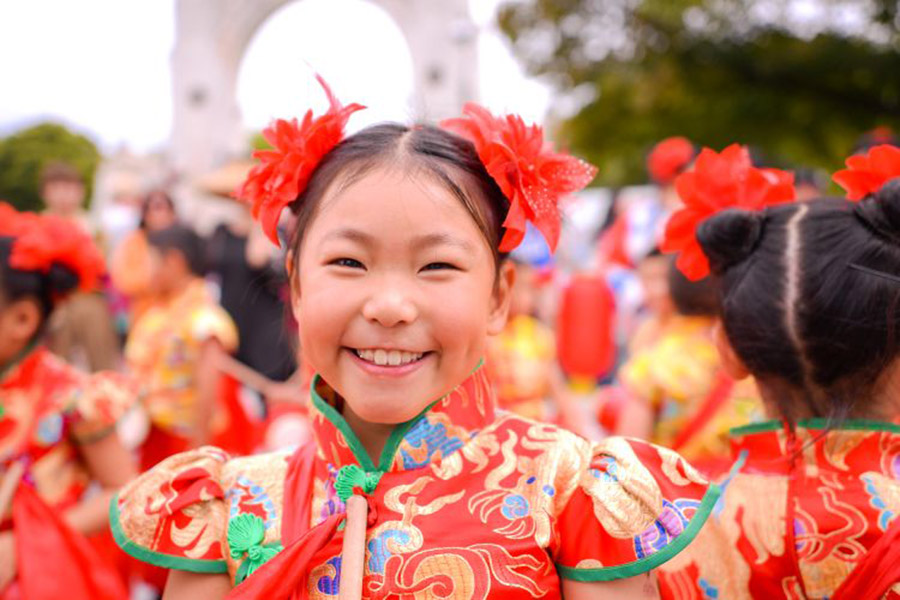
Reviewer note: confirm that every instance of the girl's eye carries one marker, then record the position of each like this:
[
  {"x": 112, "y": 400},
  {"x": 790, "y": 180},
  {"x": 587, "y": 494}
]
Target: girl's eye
[
  {"x": 350, "y": 263},
  {"x": 439, "y": 266}
]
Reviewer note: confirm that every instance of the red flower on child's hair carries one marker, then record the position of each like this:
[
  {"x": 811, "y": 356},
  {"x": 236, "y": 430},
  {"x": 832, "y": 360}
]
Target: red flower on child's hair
[
  {"x": 867, "y": 173},
  {"x": 526, "y": 168},
  {"x": 669, "y": 158},
  {"x": 719, "y": 181},
  {"x": 42, "y": 241},
  {"x": 297, "y": 148}
]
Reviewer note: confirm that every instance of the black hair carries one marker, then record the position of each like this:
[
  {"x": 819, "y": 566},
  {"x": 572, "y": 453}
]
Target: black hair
[
  {"x": 45, "y": 288},
  {"x": 448, "y": 158},
  {"x": 184, "y": 240},
  {"x": 692, "y": 298},
  {"x": 795, "y": 312}
]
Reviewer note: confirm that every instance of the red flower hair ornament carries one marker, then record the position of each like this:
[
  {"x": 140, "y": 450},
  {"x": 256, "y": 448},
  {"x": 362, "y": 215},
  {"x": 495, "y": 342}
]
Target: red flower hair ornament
[
  {"x": 526, "y": 168},
  {"x": 867, "y": 173},
  {"x": 669, "y": 158},
  {"x": 719, "y": 181},
  {"x": 297, "y": 149},
  {"x": 41, "y": 241}
]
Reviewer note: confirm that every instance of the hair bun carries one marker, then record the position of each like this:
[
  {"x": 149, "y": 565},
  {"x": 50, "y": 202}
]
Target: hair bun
[
  {"x": 881, "y": 211},
  {"x": 729, "y": 237},
  {"x": 61, "y": 280}
]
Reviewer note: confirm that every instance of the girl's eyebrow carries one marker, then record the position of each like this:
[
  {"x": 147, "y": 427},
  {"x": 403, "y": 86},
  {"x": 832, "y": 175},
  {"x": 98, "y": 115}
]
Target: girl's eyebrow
[
  {"x": 440, "y": 239},
  {"x": 348, "y": 233}
]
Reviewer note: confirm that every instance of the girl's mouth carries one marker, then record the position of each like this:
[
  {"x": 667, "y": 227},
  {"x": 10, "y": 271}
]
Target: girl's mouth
[{"x": 383, "y": 362}]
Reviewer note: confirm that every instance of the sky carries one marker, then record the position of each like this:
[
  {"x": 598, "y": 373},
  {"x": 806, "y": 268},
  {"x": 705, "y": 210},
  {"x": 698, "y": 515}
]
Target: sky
[{"x": 102, "y": 67}]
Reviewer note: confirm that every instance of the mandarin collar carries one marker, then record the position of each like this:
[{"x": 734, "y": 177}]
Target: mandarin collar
[{"x": 439, "y": 431}]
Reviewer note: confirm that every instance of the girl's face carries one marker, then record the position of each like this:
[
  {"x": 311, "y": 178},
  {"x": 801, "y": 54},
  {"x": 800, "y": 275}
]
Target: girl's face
[{"x": 395, "y": 294}]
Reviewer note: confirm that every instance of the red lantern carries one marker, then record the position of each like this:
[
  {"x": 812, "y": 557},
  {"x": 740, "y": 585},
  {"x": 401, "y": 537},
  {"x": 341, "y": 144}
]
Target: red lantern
[{"x": 585, "y": 328}]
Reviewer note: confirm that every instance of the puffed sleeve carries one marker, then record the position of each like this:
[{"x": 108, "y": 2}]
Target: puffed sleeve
[
  {"x": 97, "y": 404},
  {"x": 636, "y": 506},
  {"x": 213, "y": 322},
  {"x": 174, "y": 515}
]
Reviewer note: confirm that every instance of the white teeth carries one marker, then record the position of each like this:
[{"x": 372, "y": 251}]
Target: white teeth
[{"x": 391, "y": 358}]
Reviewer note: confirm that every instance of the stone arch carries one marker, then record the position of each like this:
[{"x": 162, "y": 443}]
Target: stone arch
[{"x": 212, "y": 36}]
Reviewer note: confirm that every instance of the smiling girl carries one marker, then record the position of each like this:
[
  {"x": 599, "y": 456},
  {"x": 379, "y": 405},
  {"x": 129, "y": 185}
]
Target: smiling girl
[{"x": 399, "y": 274}]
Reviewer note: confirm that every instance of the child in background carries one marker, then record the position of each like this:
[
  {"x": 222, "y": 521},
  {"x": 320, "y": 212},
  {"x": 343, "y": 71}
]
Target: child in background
[
  {"x": 56, "y": 423},
  {"x": 679, "y": 395},
  {"x": 398, "y": 272},
  {"x": 175, "y": 347},
  {"x": 809, "y": 295},
  {"x": 521, "y": 359}
]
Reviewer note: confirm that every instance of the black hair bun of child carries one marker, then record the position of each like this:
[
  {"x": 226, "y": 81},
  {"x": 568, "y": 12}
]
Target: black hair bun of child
[
  {"x": 61, "y": 280},
  {"x": 729, "y": 237},
  {"x": 881, "y": 211}
]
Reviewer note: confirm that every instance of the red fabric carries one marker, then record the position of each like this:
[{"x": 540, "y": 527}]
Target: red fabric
[
  {"x": 160, "y": 445},
  {"x": 611, "y": 249},
  {"x": 55, "y": 561},
  {"x": 242, "y": 434},
  {"x": 532, "y": 176},
  {"x": 297, "y": 148},
  {"x": 865, "y": 174},
  {"x": 875, "y": 574},
  {"x": 719, "y": 181},
  {"x": 284, "y": 576}
]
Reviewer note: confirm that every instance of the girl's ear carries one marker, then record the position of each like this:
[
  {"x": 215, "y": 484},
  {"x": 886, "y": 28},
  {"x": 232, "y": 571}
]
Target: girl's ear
[
  {"x": 731, "y": 362},
  {"x": 501, "y": 298},
  {"x": 290, "y": 265},
  {"x": 21, "y": 321}
]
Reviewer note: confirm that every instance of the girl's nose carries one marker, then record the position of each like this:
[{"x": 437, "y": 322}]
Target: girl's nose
[{"x": 390, "y": 305}]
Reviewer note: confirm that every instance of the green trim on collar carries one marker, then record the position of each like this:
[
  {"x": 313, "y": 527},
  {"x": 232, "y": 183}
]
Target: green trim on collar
[
  {"x": 649, "y": 563},
  {"x": 395, "y": 439},
  {"x": 166, "y": 561},
  {"x": 337, "y": 419},
  {"x": 818, "y": 423}
]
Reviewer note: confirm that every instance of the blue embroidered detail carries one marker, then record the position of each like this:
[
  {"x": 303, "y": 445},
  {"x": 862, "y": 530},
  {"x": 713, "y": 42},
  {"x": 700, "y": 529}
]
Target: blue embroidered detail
[
  {"x": 330, "y": 585},
  {"x": 515, "y": 506},
  {"x": 671, "y": 522},
  {"x": 378, "y": 548},
  {"x": 435, "y": 439}
]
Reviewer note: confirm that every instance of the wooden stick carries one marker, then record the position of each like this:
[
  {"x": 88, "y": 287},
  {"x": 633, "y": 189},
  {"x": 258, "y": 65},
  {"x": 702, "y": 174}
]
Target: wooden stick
[
  {"x": 9, "y": 484},
  {"x": 353, "y": 553}
]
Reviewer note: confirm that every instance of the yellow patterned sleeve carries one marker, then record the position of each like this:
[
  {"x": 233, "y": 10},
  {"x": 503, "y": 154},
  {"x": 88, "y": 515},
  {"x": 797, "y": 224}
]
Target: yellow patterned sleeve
[
  {"x": 174, "y": 515},
  {"x": 635, "y": 507},
  {"x": 98, "y": 404},
  {"x": 212, "y": 321}
]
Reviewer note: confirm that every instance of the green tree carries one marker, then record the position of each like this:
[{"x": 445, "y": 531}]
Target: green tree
[
  {"x": 24, "y": 155},
  {"x": 799, "y": 81}
]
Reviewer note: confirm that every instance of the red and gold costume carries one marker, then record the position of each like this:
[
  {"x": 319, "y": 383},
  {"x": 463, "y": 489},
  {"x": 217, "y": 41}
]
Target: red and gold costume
[
  {"x": 520, "y": 364},
  {"x": 48, "y": 409},
  {"x": 463, "y": 503},
  {"x": 806, "y": 509}
]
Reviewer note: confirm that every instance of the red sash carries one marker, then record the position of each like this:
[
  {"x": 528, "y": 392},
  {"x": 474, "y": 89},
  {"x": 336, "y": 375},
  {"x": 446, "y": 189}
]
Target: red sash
[
  {"x": 879, "y": 569},
  {"x": 720, "y": 392},
  {"x": 284, "y": 577},
  {"x": 55, "y": 561}
]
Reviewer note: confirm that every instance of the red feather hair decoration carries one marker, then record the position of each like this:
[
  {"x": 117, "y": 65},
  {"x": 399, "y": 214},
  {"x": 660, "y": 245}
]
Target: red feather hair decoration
[
  {"x": 526, "y": 168},
  {"x": 669, "y": 158},
  {"x": 867, "y": 173},
  {"x": 719, "y": 181},
  {"x": 297, "y": 149},
  {"x": 41, "y": 241}
]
